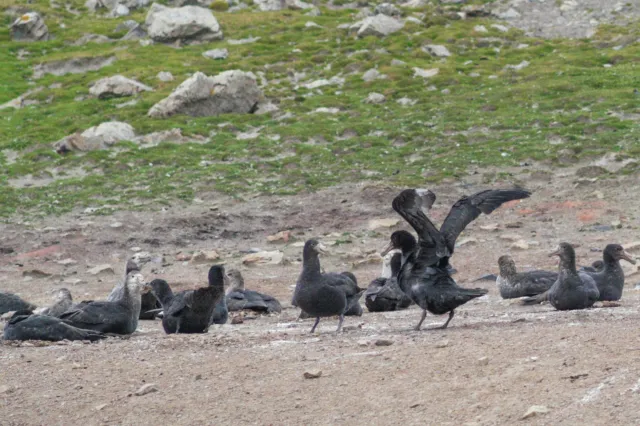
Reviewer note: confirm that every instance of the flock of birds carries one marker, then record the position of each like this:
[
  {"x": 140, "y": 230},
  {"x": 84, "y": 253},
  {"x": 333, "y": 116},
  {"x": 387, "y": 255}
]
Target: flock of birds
[{"x": 415, "y": 270}]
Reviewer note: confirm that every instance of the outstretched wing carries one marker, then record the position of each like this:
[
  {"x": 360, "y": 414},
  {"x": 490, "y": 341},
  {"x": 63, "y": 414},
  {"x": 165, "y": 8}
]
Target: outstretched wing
[
  {"x": 431, "y": 244},
  {"x": 467, "y": 209}
]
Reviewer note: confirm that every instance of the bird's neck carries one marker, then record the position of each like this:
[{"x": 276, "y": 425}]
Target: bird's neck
[{"x": 311, "y": 265}]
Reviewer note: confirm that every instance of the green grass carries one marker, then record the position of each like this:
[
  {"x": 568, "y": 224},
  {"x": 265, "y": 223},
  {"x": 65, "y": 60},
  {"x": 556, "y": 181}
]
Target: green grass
[{"x": 566, "y": 92}]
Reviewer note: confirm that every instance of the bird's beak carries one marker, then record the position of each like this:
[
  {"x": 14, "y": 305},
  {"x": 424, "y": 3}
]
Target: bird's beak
[
  {"x": 627, "y": 257},
  {"x": 555, "y": 253},
  {"x": 387, "y": 249},
  {"x": 322, "y": 249}
]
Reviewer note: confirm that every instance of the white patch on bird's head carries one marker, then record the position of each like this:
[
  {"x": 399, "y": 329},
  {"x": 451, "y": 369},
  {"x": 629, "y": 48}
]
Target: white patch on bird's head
[
  {"x": 135, "y": 282},
  {"x": 386, "y": 263}
]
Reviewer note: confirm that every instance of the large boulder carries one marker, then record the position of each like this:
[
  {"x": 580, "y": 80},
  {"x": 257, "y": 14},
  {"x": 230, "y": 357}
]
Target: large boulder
[
  {"x": 202, "y": 96},
  {"x": 116, "y": 86},
  {"x": 379, "y": 25},
  {"x": 188, "y": 24},
  {"x": 29, "y": 27}
]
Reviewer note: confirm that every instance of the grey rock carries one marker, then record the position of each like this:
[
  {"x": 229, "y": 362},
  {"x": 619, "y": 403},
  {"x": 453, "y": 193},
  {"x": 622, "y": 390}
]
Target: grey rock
[
  {"x": 116, "y": 86},
  {"x": 187, "y": 24},
  {"x": 92, "y": 38},
  {"x": 419, "y": 72},
  {"x": 274, "y": 5},
  {"x": 164, "y": 76},
  {"x": 201, "y": 96},
  {"x": 135, "y": 33},
  {"x": 373, "y": 74},
  {"x": 480, "y": 29},
  {"x": 398, "y": 63},
  {"x": 29, "y": 27},
  {"x": 266, "y": 108},
  {"x": 127, "y": 25},
  {"x": 119, "y": 11},
  {"x": 407, "y": 101},
  {"x": 72, "y": 66},
  {"x": 517, "y": 67},
  {"x": 500, "y": 28},
  {"x": 216, "y": 54},
  {"x": 110, "y": 5},
  {"x": 101, "y": 269},
  {"x": 243, "y": 40},
  {"x": 437, "y": 50},
  {"x": 146, "y": 389},
  {"x": 375, "y": 98},
  {"x": 387, "y": 9},
  {"x": 379, "y": 26}
]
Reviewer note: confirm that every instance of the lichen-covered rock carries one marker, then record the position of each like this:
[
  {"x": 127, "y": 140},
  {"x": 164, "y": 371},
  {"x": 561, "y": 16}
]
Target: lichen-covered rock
[
  {"x": 187, "y": 24},
  {"x": 97, "y": 137},
  {"x": 29, "y": 27},
  {"x": 232, "y": 91}
]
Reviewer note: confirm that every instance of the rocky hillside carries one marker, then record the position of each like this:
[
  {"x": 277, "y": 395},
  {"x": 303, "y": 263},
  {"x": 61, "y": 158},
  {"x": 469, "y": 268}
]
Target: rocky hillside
[{"x": 125, "y": 104}]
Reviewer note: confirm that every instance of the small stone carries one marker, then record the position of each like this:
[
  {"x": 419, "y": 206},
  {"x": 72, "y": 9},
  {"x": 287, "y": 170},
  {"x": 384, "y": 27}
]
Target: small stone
[
  {"x": 398, "y": 63},
  {"x": 311, "y": 24},
  {"x": 146, "y": 389},
  {"x": 67, "y": 262},
  {"x": 383, "y": 342},
  {"x": 490, "y": 227},
  {"x": 35, "y": 273},
  {"x": 198, "y": 377},
  {"x": 510, "y": 237},
  {"x": 466, "y": 242},
  {"x": 375, "y": 98},
  {"x": 101, "y": 269},
  {"x": 116, "y": 225},
  {"x": 520, "y": 245},
  {"x": 500, "y": 28},
  {"x": 204, "y": 256},
  {"x": 407, "y": 101},
  {"x": 312, "y": 374},
  {"x": 216, "y": 54},
  {"x": 164, "y": 76},
  {"x": 483, "y": 361},
  {"x": 371, "y": 75},
  {"x": 382, "y": 223},
  {"x": 100, "y": 407},
  {"x": 7, "y": 389},
  {"x": 535, "y": 410},
  {"x": 238, "y": 319},
  {"x": 480, "y": 29},
  {"x": 363, "y": 343},
  {"x": 419, "y": 72},
  {"x": 415, "y": 405},
  {"x": 264, "y": 258},
  {"x": 437, "y": 50},
  {"x": 518, "y": 67},
  {"x": 283, "y": 236},
  {"x": 442, "y": 344}
]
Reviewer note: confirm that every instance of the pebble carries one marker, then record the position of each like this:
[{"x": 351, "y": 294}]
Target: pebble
[
  {"x": 101, "y": 269},
  {"x": 442, "y": 344},
  {"x": 383, "y": 342},
  {"x": 6, "y": 389},
  {"x": 312, "y": 374},
  {"x": 483, "y": 361},
  {"x": 101, "y": 407},
  {"x": 204, "y": 256},
  {"x": 146, "y": 389},
  {"x": 535, "y": 410},
  {"x": 382, "y": 223}
]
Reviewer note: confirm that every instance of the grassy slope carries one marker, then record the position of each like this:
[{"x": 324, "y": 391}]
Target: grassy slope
[{"x": 566, "y": 93}]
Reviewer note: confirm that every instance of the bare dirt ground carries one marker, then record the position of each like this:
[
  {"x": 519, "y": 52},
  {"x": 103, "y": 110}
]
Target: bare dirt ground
[{"x": 495, "y": 361}]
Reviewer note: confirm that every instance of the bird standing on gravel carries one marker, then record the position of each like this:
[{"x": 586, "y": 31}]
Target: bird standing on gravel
[
  {"x": 323, "y": 295},
  {"x": 424, "y": 275}
]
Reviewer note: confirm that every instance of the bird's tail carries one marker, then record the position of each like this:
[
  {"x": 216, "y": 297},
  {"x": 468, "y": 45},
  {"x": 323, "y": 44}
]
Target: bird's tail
[{"x": 534, "y": 300}]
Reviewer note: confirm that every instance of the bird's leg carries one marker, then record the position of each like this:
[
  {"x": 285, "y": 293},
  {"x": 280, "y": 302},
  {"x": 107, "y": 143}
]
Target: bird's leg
[
  {"x": 315, "y": 325},
  {"x": 178, "y": 325},
  {"x": 451, "y": 314},
  {"x": 340, "y": 323},
  {"x": 424, "y": 315}
]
